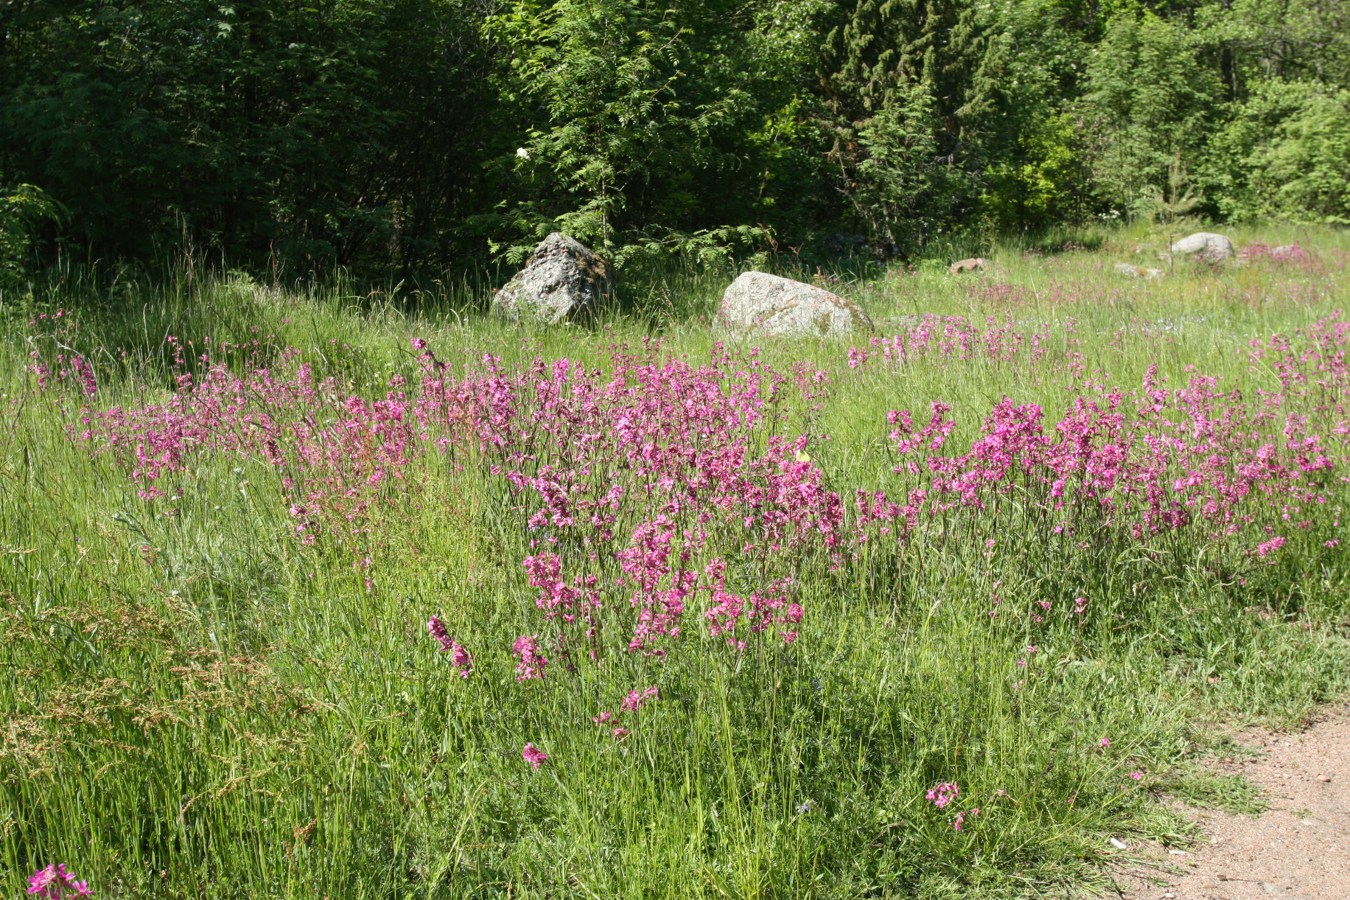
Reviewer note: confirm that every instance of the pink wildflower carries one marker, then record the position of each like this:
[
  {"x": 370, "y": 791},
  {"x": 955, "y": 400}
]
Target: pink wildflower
[
  {"x": 1137, "y": 776},
  {"x": 55, "y": 883},
  {"x": 459, "y": 656},
  {"x": 534, "y": 756},
  {"x": 635, "y": 700},
  {"x": 436, "y": 628},
  {"x": 532, "y": 662},
  {"x": 85, "y": 373},
  {"x": 724, "y": 615},
  {"x": 943, "y": 793},
  {"x": 1269, "y": 546},
  {"x": 1103, "y": 744},
  {"x": 960, "y": 819}
]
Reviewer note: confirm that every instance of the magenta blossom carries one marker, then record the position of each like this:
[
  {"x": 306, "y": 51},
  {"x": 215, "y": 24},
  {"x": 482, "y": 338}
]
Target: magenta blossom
[
  {"x": 961, "y": 817},
  {"x": 636, "y": 699},
  {"x": 532, "y": 662},
  {"x": 534, "y": 756},
  {"x": 943, "y": 793},
  {"x": 55, "y": 883},
  {"x": 459, "y": 656},
  {"x": 436, "y": 628},
  {"x": 1269, "y": 546}
]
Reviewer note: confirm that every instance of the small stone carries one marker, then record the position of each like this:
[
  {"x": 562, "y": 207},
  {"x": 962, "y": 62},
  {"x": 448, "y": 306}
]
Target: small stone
[
  {"x": 1119, "y": 844},
  {"x": 1325, "y": 779},
  {"x": 1175, "y": 852}
]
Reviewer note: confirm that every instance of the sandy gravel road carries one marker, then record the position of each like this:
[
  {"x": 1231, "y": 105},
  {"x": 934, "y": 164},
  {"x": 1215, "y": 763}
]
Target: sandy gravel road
[{"x": 1299, "y": 848}]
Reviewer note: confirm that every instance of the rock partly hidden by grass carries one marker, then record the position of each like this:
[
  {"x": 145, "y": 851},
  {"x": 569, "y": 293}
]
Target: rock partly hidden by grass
[{"x": 312, "y": 595}]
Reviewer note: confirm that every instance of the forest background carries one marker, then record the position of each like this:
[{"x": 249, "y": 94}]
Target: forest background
[{"x": 395, "y": 137}]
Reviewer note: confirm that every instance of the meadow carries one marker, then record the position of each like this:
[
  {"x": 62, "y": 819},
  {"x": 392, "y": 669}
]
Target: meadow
[{"x": 307, "y": 591}]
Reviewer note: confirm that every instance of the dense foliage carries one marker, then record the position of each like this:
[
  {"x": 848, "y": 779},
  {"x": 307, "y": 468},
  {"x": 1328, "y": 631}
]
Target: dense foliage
[{"x": 400, "y": 134}]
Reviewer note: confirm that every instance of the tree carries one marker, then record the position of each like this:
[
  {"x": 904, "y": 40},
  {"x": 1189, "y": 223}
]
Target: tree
[
  {"x": 24, "y": 210},
  {"x": 1286, "y": 154},
  {"x": 905, "y": 102},
  {"x": 1148, "y": 99},
  {"x": 1037, "y": 174},
  {"x": 316, "y": 132}
]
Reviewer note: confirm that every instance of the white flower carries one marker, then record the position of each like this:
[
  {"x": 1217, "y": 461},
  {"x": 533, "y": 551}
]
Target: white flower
[{"x": 522, "y": 153}]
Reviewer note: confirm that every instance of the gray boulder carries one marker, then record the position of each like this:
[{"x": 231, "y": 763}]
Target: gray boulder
[
  {"x": 1137, "y": 271},
  {"x": 762, "y": 304},
  {"x": 1206, "y": 246},
  {"x": 562, "y": 280}
]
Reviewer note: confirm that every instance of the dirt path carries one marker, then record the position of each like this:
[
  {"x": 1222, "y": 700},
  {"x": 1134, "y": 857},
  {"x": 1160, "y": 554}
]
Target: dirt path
[{"x": 1298, "y": 848}]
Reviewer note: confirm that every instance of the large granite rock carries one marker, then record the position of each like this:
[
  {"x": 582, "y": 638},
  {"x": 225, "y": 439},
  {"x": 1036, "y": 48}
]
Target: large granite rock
[
  {"x": 1206, "y": 246},
  {"x": 562, "y": 280},
  {"x": 762, "y": 304}
]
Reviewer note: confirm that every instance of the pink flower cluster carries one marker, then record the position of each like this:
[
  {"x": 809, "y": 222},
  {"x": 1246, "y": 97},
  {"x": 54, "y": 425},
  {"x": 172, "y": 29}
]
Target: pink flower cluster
[
  {"x": 954, "y": 338},
  {"x": 634, "y": 700},
  {"x": 1285, "y": 253},
  {"x": 71, "y": 368},
  {"x": 534, "y": 756},
  {"x": 459, "y": 656},
  {"x": 759, "y": 611},
  {"x": 631, "y": 704},
  {"x": 55, "y": 883},
  {"x": 1146, "y": 461},
  {"x": 943, "y": 793},
  {"x": 959, "y": 822},
  {"x": 532, "y": 661}
]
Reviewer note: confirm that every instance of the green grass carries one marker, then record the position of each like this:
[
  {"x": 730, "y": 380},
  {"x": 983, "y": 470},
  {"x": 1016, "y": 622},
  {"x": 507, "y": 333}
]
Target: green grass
[{"x": 199, "y": 705}]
